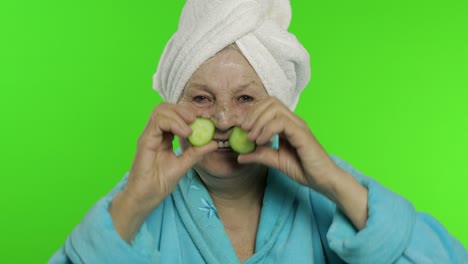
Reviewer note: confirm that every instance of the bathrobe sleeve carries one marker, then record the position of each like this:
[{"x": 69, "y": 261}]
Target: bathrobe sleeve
[
  {"x": 95, "y": 240},
  {"x": 394, "y": 232}
]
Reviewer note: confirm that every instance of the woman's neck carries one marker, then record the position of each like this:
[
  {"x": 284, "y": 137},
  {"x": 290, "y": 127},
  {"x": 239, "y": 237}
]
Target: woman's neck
[
  {"x": 239, "y": 192},
  {"x": 238, "y": 200}
]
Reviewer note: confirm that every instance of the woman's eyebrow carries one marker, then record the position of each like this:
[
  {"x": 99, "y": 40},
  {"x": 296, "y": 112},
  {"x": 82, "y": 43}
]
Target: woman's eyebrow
[{"x": 206, "y": 87}]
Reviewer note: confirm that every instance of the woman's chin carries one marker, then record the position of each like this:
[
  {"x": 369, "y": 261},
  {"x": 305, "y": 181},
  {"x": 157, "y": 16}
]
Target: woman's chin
[{"x": 221, "y": 163}]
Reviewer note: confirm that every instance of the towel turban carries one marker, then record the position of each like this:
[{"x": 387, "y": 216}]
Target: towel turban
[{"x": 260, "y": 30}]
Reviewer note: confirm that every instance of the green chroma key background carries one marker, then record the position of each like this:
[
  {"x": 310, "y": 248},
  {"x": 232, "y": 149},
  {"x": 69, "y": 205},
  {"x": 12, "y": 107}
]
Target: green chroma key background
[{"x": 389, "y": 94}]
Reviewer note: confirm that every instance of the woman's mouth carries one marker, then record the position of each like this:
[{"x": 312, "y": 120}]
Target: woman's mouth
[{"x": 223, "y": 146}]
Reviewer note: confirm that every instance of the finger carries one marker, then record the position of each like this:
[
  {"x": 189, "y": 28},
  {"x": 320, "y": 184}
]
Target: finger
[
  {"x": 147, "y": 151},
  {"x": 271, "y": 129},
  {"x": 296, "y": 135},
  {"x": 269, "y": 113},
  {"x": 276, "y": 115},
  {"x": 174, "y": 123},
  {"x": 254, "y": 112},
  {"x": 166, "y": 119},
  {"x": 263, "y": 155},
  {"x": 159, "y": 137},
  {"x": 186, "y": 113},
  {"x": 192, "y": 155},
  {"x": 263, "y": 119}
]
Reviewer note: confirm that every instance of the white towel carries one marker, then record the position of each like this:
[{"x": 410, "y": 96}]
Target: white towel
[{"x": 258, "y": 27}]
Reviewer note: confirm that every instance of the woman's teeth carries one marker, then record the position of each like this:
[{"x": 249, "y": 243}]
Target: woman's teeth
[{"x": 223, "y": 144}]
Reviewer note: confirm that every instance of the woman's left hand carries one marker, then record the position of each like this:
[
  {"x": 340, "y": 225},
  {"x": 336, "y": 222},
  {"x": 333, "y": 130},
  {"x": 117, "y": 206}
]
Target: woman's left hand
[{"x": 301, "y": 157}]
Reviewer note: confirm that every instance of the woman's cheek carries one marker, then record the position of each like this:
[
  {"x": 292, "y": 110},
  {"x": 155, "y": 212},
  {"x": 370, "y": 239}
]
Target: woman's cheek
[
  {"x": 202, "y": 110},
  {"x": 242, "y": 116}
]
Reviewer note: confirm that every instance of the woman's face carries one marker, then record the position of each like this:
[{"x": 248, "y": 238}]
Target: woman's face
[{"x": 223, "y": 89}]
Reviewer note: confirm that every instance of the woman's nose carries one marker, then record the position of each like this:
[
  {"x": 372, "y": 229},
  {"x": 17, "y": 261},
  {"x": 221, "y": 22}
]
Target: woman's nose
[{"x": 224, "y": 116}]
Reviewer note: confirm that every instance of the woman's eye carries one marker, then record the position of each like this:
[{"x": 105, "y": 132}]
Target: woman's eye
[
  {"x": 245, "y": 98},
  {"x": 200, "y": 99}
]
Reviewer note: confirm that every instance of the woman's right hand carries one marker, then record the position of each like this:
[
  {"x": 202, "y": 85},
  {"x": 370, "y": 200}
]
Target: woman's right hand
[{"x": 156, "y": 170}]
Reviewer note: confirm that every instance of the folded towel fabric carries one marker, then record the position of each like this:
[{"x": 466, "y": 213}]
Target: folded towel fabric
[{"x": 258, "y": 27}]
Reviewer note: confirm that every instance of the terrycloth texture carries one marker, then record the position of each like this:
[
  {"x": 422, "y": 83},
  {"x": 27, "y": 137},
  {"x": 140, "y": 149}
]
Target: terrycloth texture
[
  {"x": 297, "y": 225},
  {"x": 259, "y": 27}
]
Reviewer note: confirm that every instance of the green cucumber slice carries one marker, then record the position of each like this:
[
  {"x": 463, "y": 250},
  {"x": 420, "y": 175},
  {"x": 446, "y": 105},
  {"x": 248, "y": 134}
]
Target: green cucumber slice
[
  {"x": 202, "y": 131},
  {"x": 239, "y": 142}
]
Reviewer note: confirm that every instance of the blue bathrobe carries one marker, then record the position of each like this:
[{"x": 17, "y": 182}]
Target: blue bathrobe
[{"x": 297, "y": 225}]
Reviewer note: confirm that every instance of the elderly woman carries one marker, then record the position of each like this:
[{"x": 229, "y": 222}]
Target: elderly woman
[{"x": 287, "y": 202}]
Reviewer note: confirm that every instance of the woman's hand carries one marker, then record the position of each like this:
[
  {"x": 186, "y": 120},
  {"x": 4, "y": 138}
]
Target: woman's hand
[
  {"x": 301, "y": 157},
  {"x": 156, "y": 170}
]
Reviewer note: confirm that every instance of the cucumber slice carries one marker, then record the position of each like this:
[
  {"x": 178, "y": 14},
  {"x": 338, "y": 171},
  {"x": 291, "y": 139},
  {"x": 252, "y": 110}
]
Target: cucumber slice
[
  {"x": 202, "y": 132},
  {"x": 239, "y": 143}
]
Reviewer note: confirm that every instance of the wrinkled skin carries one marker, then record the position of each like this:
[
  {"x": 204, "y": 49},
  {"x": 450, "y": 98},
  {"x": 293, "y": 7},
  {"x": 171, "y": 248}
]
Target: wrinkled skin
[{"x": 227, "y": 90}]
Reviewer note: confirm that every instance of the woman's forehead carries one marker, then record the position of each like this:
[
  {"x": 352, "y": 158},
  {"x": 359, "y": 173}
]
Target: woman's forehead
[{"x": 228, "y": 67}]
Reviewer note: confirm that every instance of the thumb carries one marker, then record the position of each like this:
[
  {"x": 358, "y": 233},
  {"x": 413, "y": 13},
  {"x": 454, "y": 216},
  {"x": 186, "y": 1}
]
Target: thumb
[
  {"x": 263, "y": 155},
  {"x": 193, "y": 154}
]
